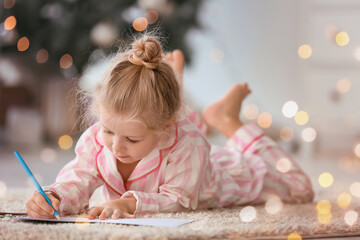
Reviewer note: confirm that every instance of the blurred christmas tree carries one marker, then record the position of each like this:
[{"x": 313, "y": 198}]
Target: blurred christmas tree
[{"x": 66, "y": 32}]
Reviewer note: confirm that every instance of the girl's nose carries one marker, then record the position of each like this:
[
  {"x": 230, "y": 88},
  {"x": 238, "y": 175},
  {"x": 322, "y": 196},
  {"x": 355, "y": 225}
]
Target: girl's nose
[{"x": 118, "y": 146}]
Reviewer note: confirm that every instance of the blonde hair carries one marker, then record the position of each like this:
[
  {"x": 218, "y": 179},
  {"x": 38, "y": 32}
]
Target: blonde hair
[{"x": 141, "y": 85}]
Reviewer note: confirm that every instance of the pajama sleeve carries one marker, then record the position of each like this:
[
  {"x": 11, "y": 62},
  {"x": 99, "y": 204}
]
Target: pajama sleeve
[
  {"x": 289, "y": 183},
  {"x": 184, "y": 174},
  {"x": 77, "y": 181}
]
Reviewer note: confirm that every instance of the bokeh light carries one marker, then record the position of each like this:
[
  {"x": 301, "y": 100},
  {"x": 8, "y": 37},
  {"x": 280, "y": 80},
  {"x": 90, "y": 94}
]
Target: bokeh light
[
  {"x": 324, "y": 218},
  {"x": 343, "y": 85},
  {"x": 251, "y": 111},
  {"x": 294, "y": 236},
  {"x": 351, "y": 217},
  {"x": 38, "y": 177},
  {"x": 82, "y": 222},
  {"x": 323, "y": 206},
  {"x": 301, "y": 118},
  {"x": 273, "y": 205},
  {"x": 216, "y": 55},
  {"x": 357, "y": 53},
  {"x": 42, "y": 56},
  {"x": 347, "y": 164},
  {"x": 66, "y": 61},
  {"x": 264, "y": 120},
  {"x": 9, "y": 4},
  {"x": 344, "y": 200},
  {"x": 152, "y": 16},
  {"x": 342, "y": 39},
  {"x": 10, "y": 23},
  {"x": 326, "y": 179},
  {"x": 48, "y": 155},
  {"x": 305, "y": 51},
  {"x": 357, "y": 150},
  {"x": 289, "y": 109},
  {"x": 140, "y": 24},
  {"x": 23, "y": 44},
  {"x": 65, "y": 142},
  {"x": 3, "y": 189},
  {"x": 308, "y": 134},
  {"x": 247, "y": 214},
  {"x": 355, "y": 189},
  {"x": 286, "y": 134},
  {"x": 283, "y": 165}
]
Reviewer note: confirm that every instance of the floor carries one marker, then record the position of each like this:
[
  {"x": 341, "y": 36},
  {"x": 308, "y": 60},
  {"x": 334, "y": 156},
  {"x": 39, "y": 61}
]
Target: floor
[{"x": 46, "y": 161}]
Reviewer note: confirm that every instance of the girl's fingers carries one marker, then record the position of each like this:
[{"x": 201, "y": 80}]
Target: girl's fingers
[
  {"x": 34, "y": 207},
  {"x": 95, "y": 212},
  {"x": 106, "y": 213},
  {"x": 35, "y": 214},
  {"x": 119, "y": 214},
  {"x": 43, "y": 204}
]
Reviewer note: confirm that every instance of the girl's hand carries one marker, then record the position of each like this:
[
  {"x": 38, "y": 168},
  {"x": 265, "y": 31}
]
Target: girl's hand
[
  {"x": 37, "y": 207},
  {"x": 121, "y": 208}
]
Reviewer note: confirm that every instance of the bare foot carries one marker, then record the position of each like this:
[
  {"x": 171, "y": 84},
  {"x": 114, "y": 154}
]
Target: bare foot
[
  {"x": 224, "y": 114},
  {"x": 176, "y": 61}
]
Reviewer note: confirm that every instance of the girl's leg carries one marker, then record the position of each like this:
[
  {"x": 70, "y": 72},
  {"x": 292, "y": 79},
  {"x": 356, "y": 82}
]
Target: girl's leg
[
  {"x": 224, "y": 114},
  {"x": 252, "y": 158},
  {"x": 176, "y": 60}
]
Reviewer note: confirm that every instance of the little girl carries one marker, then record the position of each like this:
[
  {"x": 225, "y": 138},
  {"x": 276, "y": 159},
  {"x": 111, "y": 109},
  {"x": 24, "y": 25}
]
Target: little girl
[{"x": 151, "y": 158}]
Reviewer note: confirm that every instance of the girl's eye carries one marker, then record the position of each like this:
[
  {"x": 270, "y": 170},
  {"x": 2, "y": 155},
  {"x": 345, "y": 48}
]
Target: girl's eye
[
  {"x": 132, "y": 141},
  {"x": 107, "y": 131}
]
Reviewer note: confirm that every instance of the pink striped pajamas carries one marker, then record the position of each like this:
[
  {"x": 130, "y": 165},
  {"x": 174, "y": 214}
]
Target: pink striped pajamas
[{"x": 183, "y": 172}]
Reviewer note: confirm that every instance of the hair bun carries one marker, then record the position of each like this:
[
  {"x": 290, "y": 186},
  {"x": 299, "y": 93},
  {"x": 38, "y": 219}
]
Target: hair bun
[{"x": 147, "y": 52}]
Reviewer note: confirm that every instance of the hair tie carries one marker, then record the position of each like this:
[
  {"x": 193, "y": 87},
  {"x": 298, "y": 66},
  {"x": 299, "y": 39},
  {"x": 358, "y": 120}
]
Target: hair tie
[{"x": 153, "y": 64}]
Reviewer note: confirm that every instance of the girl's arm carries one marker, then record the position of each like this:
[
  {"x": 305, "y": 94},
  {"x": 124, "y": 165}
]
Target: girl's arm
[
  {"x": 77, "y": 181},
  {"x": 185, "y": 172}
]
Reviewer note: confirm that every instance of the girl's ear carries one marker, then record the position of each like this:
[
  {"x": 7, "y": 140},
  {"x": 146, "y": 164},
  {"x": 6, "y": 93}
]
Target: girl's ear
[{"x": 170, "y": 123}]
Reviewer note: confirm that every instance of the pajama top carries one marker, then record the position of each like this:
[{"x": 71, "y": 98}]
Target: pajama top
[{"x": 183, "y": 172}]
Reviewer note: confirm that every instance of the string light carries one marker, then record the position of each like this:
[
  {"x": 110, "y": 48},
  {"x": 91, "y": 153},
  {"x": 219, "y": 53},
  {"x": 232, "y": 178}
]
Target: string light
[
  {"x": 355, "y": 189},
  {"x": 152, "y": 16},
  {"x": 357, "y": 150},
  {"x": 326, "y": 180},
  {"x": 309, "y": 134},
  {"x": 294, "y": 236},
  {"x": 289, "y": 109},
  {"x": 264, "y": 120},
  {"x": 344, "y": 200},
  {"x": 48, "y": 155},
  {"x": 350, "y": 217},
  {"x": 23, "y": 44},
  {"x": 305, "y": 51},
  {"x": 323, "y": 206},
  {"x": 42, "y": 56},
  {"x": 286, "y": 134},
  {"x": 283, "y": 165},
  {"x": 3, "y": 189},
  {"x": 65, "y": 142},
  {"x": 251, "y": 111},
  {"x": 342, "y": 39},
  {"x": 343, "y": 85},
  {"x": 66, "y": 61},
  {"x": 247, "y": 214},
  {"x": 301, "y": 118},
  {"x": 273, "y": 205},
  {"x": 216, "y": 55},
  {"x": 9, "y": 4},
  {"x": 82, "y": 222},
  {"x": 10, "y": 23},
  {"x": 140, "y": 24}
]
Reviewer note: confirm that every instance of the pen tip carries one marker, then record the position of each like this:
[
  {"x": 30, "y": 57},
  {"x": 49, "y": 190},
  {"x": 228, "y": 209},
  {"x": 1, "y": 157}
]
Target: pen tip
[{"x": 58, "y": 217}]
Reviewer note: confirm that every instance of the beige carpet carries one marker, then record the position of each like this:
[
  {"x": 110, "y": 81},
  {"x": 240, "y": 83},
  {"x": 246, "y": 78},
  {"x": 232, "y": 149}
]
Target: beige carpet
[{"x": 208, "y": 224}]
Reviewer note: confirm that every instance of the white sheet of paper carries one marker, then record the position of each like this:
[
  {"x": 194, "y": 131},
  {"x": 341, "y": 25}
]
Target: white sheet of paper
[{"x": 157, "y": 222}]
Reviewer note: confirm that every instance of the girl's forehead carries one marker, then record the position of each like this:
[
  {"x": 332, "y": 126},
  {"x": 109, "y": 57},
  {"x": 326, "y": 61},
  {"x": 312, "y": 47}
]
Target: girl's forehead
[{"x": 111, "y": 119}]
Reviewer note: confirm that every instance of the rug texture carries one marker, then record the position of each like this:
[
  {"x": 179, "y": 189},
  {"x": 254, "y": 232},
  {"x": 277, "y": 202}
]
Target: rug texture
[{"x": 224, "y": 223}]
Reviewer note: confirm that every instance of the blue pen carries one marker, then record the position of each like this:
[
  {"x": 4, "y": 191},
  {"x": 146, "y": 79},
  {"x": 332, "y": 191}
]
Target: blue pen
[{"x": 36, "y": 182}]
